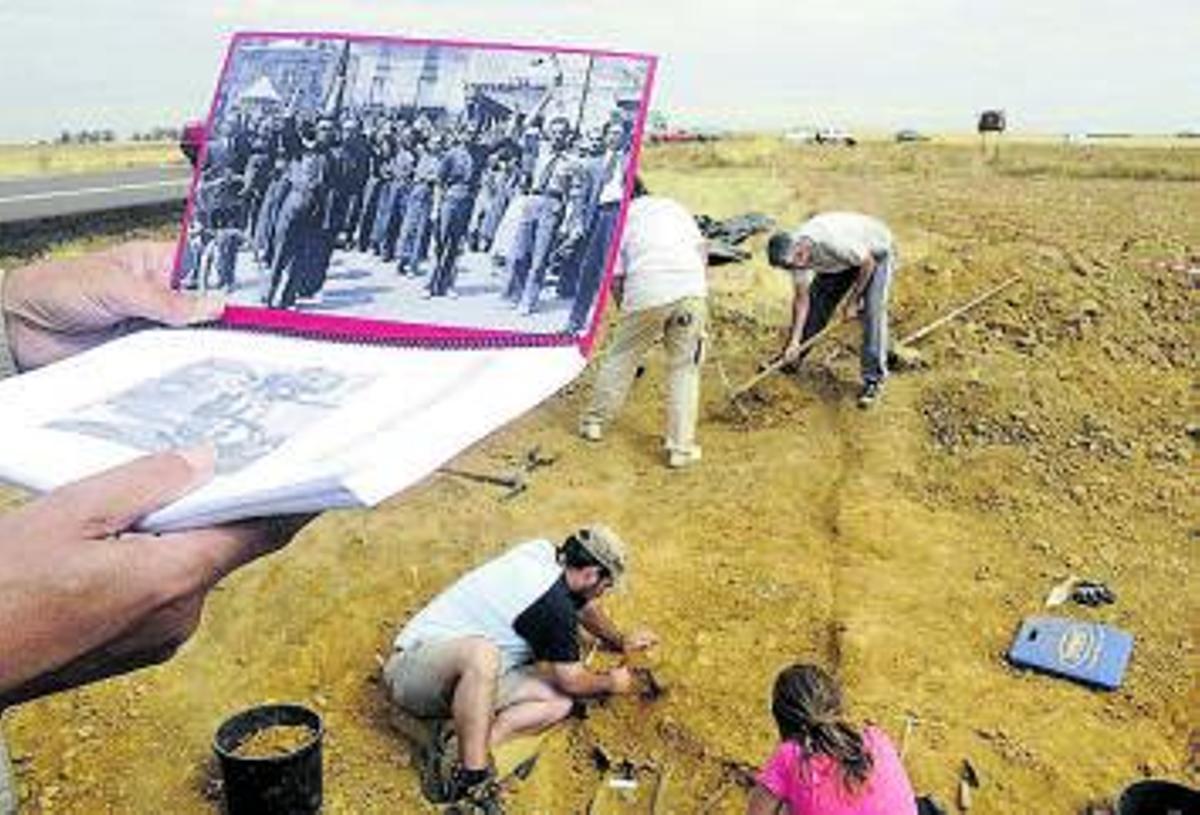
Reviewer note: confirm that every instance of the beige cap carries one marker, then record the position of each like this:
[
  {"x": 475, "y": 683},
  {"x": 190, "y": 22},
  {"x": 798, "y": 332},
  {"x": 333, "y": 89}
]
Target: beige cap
[{"x": 606, "y": 547}]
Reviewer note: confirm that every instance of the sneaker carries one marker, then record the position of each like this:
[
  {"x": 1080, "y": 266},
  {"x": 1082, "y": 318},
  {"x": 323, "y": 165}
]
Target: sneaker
[
  {"x": 678, "y": 459},
  {"x": 869, "y": 395},
  {"x": 591, "y": 431}
]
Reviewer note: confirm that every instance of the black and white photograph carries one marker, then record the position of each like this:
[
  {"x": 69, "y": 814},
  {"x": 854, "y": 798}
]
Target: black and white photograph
[
  {"x": 424, "y": 183},
  {"x": 246, "y": 410}
]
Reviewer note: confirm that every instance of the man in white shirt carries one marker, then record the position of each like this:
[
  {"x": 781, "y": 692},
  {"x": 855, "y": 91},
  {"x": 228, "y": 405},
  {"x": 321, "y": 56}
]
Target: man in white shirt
[
  {"x": 470, "y": 653},
  {"x": 661, "y": 288},
  {"x": 839, "y": 257}
]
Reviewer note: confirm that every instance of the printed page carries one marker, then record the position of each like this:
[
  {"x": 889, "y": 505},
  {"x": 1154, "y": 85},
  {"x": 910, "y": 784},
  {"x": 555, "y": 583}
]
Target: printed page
[{"x": 294, "y": 421}]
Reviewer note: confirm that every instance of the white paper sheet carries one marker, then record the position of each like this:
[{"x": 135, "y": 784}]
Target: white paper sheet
[{"x": 300, "y": 425}]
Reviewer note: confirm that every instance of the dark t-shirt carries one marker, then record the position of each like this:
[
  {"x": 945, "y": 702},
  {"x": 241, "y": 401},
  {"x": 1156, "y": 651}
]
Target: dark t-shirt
[{"x": 550, "y": 624}]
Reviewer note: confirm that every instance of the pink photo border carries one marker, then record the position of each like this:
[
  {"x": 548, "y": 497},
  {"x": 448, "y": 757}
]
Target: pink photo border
[{"x": 357, "y": 329}]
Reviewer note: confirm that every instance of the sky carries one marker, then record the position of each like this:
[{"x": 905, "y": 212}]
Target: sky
[{"x": 1056, "y": 66}]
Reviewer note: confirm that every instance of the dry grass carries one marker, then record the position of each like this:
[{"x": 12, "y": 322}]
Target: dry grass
[
  {"x": 18, "y": 160},
  {"x": 1133, "y": 159}
]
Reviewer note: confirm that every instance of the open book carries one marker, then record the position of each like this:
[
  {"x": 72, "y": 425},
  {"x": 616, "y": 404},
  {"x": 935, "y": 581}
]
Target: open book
[{"x": 416, "y": 239}]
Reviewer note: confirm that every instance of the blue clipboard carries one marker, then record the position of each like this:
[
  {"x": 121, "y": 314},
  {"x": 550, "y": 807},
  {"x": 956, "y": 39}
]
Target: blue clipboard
[{"x": 1092, "y": 653}]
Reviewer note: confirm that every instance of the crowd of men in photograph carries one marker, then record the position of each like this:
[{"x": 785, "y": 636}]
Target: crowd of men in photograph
[{"x": 536, "y": 194}]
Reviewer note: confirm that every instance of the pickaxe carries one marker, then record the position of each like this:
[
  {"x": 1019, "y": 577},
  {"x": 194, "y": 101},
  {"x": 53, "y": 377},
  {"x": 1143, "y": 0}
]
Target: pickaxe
[{"x": 516, "y": 483}]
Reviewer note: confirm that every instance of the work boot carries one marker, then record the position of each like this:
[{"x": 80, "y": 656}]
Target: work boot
[
  {"x": 441, "y": 760},
  {"x": 870, "y": 393},
  {"x": 480, "y": 798}
]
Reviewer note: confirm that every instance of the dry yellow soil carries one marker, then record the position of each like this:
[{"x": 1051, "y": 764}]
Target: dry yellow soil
[{"x": 1052, "y": 433}]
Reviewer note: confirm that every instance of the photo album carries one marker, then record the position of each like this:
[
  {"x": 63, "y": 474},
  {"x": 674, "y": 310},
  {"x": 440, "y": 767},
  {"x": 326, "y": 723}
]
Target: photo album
[{"x": 415, "y": 239}]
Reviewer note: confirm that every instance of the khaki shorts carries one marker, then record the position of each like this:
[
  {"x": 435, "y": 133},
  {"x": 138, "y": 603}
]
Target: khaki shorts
[{"x": 421, "y": 680}]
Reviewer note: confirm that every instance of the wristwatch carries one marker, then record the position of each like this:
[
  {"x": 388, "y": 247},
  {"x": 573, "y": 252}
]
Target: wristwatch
[{"x": 8, "y": 365}]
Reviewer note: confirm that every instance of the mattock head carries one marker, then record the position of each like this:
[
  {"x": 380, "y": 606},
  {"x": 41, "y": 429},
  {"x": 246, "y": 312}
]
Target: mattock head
[{"x": 519, "y": 485}]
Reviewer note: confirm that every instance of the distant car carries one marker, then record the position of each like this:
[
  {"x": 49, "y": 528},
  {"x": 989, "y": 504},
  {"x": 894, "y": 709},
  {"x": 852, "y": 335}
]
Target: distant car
[
  {"x": 191, "y": 140},
  {"x": 835, "y": 135},
  {"x": 677, "y": 135},
  {"x": 820, "y": 135},
  {"x": 910, "y": 135},
  {"x": 801, "y": 135}
]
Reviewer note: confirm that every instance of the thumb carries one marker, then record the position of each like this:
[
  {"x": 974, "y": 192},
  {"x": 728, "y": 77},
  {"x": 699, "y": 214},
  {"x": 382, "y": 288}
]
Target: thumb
[{"x": 113, "y": 501}]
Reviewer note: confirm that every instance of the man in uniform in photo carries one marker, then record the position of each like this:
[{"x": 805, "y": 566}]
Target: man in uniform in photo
[
  {"x": 413, "y": 243},
  {"x": 539, "y": 228},
  {"x": 397, "y": 177},
  {"x": 297, "y": 238},
  {"x": 455, "y": 176},
  {"x": 353, "y": 158}
]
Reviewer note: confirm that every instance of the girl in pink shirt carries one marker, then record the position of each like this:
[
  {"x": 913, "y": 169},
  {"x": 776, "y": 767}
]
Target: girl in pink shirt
[{"x": 823, "y": 765}]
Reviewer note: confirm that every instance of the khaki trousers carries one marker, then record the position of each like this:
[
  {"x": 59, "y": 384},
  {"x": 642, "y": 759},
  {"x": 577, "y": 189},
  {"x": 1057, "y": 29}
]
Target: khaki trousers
[{"x": 682, "y": 327}]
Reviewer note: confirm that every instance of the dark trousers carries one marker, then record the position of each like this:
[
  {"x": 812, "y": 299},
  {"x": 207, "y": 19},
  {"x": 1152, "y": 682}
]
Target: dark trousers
[
  {"x": 452, "y": 229},
  {"x": 823, "y": 298},
  {"x": 366, "y": 220},
  {"x": 591, "y": 268}
]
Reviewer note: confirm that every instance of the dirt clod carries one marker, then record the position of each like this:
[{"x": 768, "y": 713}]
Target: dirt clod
[{"x": 273, "y": 741}]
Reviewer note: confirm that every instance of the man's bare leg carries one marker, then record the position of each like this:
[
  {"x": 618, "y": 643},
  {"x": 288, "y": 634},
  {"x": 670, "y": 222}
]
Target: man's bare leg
[
  {"x": 477, "y": 663},
  {"x": 532, "y": 707}
]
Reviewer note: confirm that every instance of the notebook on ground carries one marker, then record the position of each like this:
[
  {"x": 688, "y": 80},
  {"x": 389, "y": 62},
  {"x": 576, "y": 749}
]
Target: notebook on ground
[
  {"x": 1091, "y": 653},
  {"x": 416, "y": 239}
]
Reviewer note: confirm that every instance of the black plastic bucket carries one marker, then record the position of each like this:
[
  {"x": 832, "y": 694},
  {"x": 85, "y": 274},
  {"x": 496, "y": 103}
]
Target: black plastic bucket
[
  {"x": 273, "y": 785},
  {"x": 1158, "y": 798}
]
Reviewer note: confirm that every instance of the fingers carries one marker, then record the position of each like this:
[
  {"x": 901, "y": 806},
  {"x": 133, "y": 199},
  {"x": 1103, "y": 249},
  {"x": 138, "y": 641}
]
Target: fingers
[
  {"x": 143, "y": 287},
  {"x": 195, "y": 561},
  {"x": 113, "y": 501},
  {"x": 153, "y": 261},
  {"x": 131, "y": 295}
]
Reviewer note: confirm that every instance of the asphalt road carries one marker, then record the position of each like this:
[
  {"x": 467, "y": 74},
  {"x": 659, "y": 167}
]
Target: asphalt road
[{"x": 28, "y": 199}]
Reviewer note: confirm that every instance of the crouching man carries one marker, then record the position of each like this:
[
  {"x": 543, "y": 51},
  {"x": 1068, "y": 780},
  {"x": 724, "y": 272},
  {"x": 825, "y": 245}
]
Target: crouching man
[
  {"x": 498, "y": 651},
  {"x": 846, "y": 258}
]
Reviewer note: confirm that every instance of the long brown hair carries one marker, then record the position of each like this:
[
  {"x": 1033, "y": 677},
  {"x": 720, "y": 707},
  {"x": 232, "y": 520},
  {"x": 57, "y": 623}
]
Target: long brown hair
[{"x": 807, "y": 705}]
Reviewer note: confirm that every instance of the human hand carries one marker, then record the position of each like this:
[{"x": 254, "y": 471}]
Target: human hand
[
  {"x": 57, "y": 308},
  {"x": 83, "y": 597},
  {"x": 641, "y": 639},
  {"x": 786, "y": 360},
  {"x": 622, "y": 680},
  {"x": 851, "y": 308}
]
